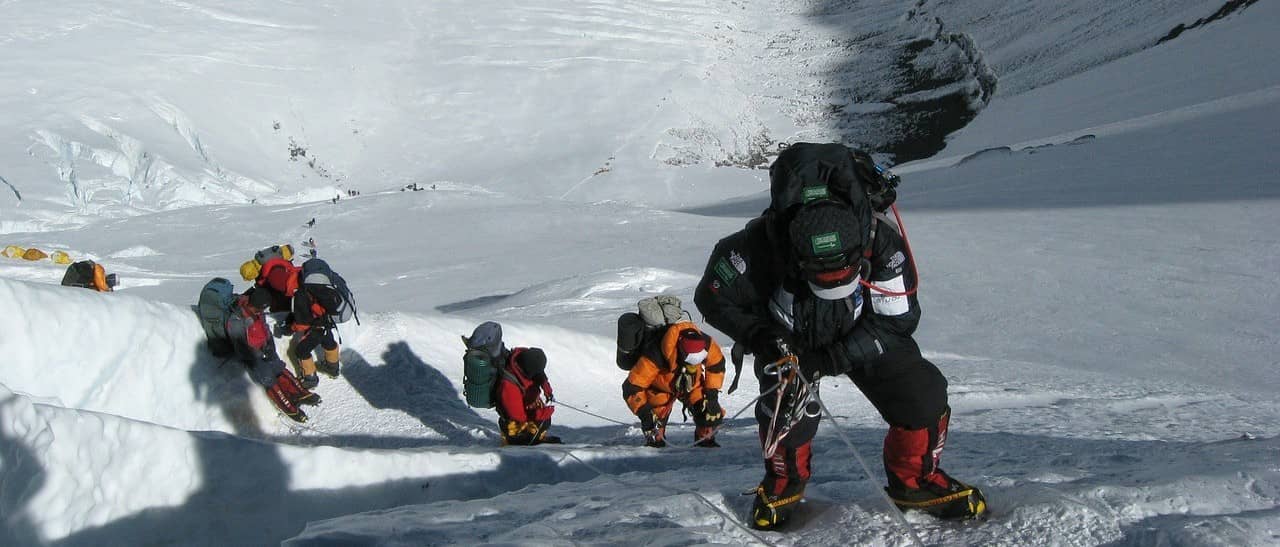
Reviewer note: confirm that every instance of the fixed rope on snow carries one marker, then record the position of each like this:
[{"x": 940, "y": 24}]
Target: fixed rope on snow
[
  {"x": 894, "y": 512},
  {"x": 714, "y": 430},
  {"x": 558, "y": 402},
  {"x": 727, "y": 517}
]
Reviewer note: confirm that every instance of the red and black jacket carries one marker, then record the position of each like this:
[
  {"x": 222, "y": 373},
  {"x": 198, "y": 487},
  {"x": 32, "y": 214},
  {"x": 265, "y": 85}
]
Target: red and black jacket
[
  {"x": 250, "y": 335},
  {"x": 520, "y": 397}
]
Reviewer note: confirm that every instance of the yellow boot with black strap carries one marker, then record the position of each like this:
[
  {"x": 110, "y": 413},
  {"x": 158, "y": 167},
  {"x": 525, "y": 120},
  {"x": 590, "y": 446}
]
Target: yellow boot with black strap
[
  {"x": 769, "y": 512},
  {"x": 916, "y": 482},
  {"x": 782, "y": 489},
  {"x": 526, "y": 433},
  {"x": 943, "y": 497},
  {"x": 330, "y": 364},
  {"x": 307, "y": 372}
]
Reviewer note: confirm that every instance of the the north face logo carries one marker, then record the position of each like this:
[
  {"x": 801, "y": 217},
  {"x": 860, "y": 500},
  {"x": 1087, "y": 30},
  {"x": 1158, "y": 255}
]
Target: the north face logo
[{"x": 824, "y": 243}]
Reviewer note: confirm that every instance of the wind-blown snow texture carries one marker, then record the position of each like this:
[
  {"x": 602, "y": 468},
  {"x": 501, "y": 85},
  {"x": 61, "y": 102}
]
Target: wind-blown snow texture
[{"x": 1098, "y": 246}]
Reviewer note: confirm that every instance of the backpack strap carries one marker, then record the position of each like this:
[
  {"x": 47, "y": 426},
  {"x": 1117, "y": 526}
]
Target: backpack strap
[
  {"x": 506, "y": 367},
  {"x": 865, "y": 263},
  {"x": 896, "y": 226},
  {"x": 737, "y": 355}
]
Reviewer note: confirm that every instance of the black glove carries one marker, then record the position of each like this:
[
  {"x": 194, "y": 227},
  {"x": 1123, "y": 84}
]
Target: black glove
[
  {"x": 283, "y": 327},
  {"x": 821, "y": 362},
  {"x": 712, "y": 413},
  {"x": 767, "y": 343},
  {"x": 646, "y": 418}
]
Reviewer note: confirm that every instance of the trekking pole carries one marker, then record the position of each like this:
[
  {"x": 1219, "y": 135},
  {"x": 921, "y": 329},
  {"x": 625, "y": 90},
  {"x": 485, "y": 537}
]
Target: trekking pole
[{"x": 894, "y": 512}]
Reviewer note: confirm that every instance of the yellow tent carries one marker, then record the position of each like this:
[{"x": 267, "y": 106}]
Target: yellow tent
[
  {"x": 60, "y": 257},
  {"x": 13, "y": 251}
]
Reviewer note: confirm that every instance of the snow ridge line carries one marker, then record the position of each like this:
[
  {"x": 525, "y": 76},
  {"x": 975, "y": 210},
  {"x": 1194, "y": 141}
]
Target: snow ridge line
[{"x": 1217, "y": 106}]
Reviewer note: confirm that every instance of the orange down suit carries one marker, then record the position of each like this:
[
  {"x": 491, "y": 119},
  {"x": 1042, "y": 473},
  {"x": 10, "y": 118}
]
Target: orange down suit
[{"x": 653, "y": 378}]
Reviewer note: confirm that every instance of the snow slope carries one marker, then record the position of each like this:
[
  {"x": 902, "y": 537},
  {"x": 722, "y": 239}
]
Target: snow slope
[{"x": 1097, "y": 247}]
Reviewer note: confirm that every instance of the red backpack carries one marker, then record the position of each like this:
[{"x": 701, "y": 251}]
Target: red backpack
[{"x": 279, "y": 275}]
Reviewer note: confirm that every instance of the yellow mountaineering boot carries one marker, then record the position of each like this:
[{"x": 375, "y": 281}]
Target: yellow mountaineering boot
[
  {"x": 942, "y": 497},
  {"x": 330, "y": 364},
  {"x": 770, "y": 512}
]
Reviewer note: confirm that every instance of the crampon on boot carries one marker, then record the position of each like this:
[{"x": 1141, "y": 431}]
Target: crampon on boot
[
  {"x": 329, "y": 366},
  {"x": 917, "y": 482},
  {"x": 309, "y": 382},
  {"x": 655, "y": 438},
  {"x": 942, "y": 497},
  {"x": 705, "y": 437},
  {"x": 772, "y": 512},
  {"x": 284, "y": 405},
  {"x": 294, "y": 390}
]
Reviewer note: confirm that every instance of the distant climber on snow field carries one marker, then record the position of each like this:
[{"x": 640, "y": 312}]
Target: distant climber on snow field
[
  {"x": 682, "y": 364},
  {"x": 246, "y": 328},
  {"x": 823, "y": 284},
  {"x": 522, "y": 395}
]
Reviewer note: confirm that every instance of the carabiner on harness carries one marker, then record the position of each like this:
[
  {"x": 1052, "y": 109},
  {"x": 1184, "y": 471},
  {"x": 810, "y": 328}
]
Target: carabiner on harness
[{"x": 799, "y": 396}]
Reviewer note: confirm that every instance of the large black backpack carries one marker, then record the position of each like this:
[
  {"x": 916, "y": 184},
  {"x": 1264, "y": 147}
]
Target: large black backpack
[
  {"x": 329, "y": 289},
  {"x": 806, "y": 171}
]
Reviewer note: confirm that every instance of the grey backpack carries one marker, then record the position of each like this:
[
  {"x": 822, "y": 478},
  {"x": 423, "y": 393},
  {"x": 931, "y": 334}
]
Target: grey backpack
[{"x": 644, "y": 326}]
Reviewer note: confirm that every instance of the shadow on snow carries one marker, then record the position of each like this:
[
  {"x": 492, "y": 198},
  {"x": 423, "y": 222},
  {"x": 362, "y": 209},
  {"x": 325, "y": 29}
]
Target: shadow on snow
[{"x": 246, "y": 498}]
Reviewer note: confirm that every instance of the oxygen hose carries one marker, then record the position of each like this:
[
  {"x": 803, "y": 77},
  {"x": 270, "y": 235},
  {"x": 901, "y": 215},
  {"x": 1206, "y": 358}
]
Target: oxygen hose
[{"x": 915, "y": 270}]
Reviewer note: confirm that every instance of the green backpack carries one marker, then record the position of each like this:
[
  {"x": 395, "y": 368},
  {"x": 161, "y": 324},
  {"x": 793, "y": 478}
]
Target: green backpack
[
  {"x": 482, "y": 364},
  {"x": 214, "y": 307}
]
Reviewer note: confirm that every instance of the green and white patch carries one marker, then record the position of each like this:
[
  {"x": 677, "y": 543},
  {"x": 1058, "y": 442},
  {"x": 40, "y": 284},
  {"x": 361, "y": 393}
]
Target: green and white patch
[
  {"x": 726, "y": 271},
  {"x": 825, "y": 243},
  {"x": 811, "y": 193}
]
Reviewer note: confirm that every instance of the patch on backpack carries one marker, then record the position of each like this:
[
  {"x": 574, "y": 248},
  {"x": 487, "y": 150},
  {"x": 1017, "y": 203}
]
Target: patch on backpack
[
  {"x": 823, "y": 243},
  {"x": 811, "y": 193}
]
